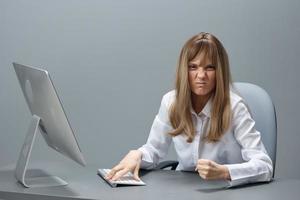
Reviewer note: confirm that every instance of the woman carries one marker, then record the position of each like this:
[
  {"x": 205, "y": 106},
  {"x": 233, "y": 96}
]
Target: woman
[{"x": 210, "y": 124}]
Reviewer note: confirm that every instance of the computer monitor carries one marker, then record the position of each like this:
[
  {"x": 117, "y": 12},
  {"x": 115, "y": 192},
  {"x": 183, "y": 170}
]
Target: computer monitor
[{"x": 49, "y": 118}]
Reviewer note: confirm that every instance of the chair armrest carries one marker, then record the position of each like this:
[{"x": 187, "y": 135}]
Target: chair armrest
[{"x": 168, "y": 163}]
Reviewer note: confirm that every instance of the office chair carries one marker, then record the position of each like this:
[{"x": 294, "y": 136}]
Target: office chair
[{"x": 262, "y": 111}]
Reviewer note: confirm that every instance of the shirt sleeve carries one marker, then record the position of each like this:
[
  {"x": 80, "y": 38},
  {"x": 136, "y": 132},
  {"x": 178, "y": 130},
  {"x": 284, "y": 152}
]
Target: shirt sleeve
[
  {"x": 258, "y": 165},
  {"x": 159, "y": 140}
]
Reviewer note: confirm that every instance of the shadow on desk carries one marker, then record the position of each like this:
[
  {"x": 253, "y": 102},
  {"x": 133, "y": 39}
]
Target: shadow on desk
[
  {"x": 15, "y": 188},
  {"x": 215, "y": 186},
  {"x": 16, "y": 196}
]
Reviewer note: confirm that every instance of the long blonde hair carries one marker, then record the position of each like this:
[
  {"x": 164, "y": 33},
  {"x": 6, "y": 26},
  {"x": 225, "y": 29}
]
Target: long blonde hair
[{"x": 180, "y": 111}]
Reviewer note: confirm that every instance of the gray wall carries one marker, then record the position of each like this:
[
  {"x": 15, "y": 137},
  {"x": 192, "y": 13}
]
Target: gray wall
[{"x": 111, "y": 62}]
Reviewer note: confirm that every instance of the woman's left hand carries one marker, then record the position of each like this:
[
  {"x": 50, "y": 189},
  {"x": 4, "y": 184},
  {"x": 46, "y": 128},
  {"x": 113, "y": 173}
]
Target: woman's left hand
[{"x": 210, "y": 170}]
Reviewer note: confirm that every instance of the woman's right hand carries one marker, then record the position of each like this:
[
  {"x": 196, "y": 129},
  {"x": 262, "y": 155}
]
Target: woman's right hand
[{"x": 131, "y": 162}]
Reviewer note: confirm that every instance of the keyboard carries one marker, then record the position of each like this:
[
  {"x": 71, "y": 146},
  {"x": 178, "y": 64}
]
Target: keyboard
[{"x": 127, "y": 179}]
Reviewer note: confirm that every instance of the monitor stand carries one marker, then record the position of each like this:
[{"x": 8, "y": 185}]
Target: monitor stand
[{"x": 20, "y": 171}]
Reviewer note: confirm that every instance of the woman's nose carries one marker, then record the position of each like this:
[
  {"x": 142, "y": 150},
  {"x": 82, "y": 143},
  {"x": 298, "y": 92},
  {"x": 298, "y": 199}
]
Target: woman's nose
[{"x": 201, "y": 73}]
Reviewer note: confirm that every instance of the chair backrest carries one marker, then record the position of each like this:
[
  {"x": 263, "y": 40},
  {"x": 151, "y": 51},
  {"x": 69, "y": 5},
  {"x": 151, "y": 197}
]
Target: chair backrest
[{"x": 264, "y": 114}]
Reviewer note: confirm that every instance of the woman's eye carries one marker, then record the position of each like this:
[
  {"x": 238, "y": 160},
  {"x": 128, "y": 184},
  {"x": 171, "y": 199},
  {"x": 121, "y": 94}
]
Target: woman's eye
[
  {"x": 210, "y": 68},
  {"x": 192, "y": 67}
]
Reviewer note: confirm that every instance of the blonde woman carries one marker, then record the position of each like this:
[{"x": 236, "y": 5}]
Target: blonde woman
[{"x": 210, "y": 125}]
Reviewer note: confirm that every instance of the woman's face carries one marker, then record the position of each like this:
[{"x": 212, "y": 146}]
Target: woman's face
[{"x": 202, "y": 76}]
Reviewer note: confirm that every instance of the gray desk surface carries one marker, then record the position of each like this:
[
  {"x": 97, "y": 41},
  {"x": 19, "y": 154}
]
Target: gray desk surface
[{"x": 162, "y": 184}]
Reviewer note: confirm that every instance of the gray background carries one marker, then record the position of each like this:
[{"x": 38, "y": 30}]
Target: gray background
[{"x": 111, "y": 62}]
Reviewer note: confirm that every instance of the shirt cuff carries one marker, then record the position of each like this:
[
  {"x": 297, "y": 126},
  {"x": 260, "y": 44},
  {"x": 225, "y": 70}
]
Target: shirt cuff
[
  {"x": 240, "y": 175},
  {"x": 146, "y": 161},
  {"x": 237, "y": 175}
]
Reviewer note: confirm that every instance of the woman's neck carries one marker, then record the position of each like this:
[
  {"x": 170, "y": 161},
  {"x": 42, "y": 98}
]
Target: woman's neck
[{"x": 199, "y": 102}]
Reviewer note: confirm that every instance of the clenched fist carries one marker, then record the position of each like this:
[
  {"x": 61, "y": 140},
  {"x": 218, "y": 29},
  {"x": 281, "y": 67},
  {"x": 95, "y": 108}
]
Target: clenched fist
[{"x": 210, "y": 170}]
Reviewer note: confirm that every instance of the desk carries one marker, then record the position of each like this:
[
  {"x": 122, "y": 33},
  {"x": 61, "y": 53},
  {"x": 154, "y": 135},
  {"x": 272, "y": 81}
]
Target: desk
[{"x": 161, "y": 184}]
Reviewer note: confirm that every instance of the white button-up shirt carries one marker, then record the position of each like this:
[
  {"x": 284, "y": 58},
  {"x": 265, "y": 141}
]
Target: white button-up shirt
[{"x": 240, "y": 148}]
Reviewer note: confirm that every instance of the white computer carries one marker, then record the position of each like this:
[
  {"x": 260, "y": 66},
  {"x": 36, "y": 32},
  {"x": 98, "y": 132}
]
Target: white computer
[{"x": 48, "y": 118}]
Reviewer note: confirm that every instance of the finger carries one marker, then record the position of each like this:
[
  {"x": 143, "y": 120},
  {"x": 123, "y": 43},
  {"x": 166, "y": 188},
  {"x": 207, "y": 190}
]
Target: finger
[
  {"x": 203, "y": 168},
  {"x": 211, "y": 176},
  {"x": 212, "y": 163},
  {"x": 197, "y": 167},
  {"x": 203, "y": 161},
  {"x": 202, "y": 164},
  {"x": 110, "y": 174},
  {"x": 119, "y": 174},
  {"x": 208, "y": 163},
  {"x": 136, "y": 172},
  {"x": 113, "y": 171},
  {"x": 202, "y": 175}
]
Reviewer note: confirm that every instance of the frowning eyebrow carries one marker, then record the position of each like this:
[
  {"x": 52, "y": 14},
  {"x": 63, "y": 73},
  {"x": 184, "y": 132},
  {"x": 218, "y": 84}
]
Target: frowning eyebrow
[
  {"x": 191, "y": 64},
  {"x": 210, "y": 65}
]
